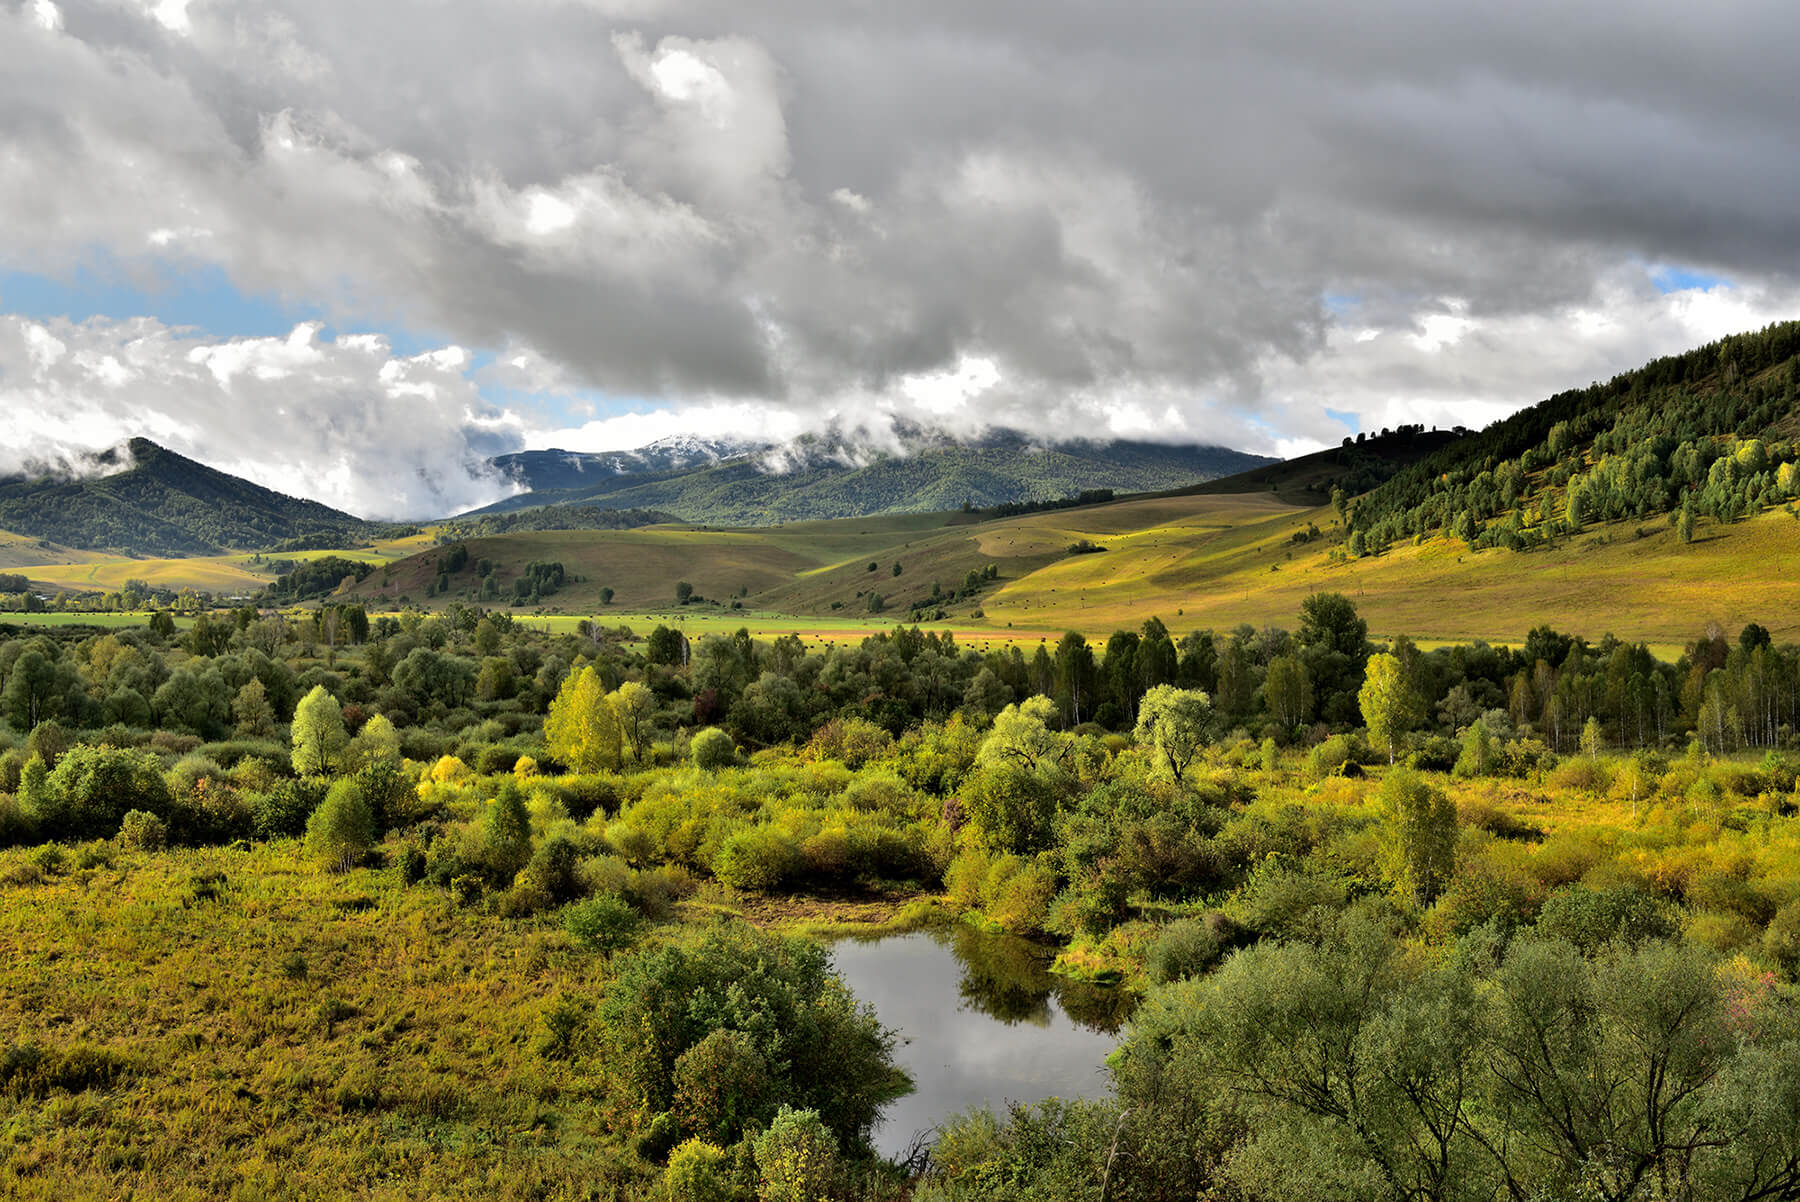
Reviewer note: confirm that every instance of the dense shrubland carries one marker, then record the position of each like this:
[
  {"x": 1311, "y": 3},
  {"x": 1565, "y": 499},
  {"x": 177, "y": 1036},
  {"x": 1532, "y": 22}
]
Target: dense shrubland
[{"x": 1473, "y": 921}]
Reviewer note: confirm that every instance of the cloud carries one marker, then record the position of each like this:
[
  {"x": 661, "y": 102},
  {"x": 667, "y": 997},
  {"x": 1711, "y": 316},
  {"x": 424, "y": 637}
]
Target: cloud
[
  {"x": 343, "y": 421},
  {"x": 785, "y": 215}
]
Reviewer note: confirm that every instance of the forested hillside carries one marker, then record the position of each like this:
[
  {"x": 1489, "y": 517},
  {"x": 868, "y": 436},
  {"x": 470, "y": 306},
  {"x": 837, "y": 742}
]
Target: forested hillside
[
  {"x": 1707, "y": 433},
  {"x": 826, "y": 478},
  {"x": 166, "y": 504}
]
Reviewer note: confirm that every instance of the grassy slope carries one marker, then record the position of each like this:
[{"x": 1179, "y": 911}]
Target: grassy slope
[
  {"x": 1607, "y": 579},
  {"x": 221, "y": 574}
]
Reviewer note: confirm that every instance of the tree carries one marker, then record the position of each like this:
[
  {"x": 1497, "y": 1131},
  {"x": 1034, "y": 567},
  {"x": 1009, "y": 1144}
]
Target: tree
[
  {"x": 1288, "y": 690},
  {"x": 1334, "y": 645},
  {"x": 606, "y": 595},
  {"x": 318, "y": 733},
  {"x": 1021, "y": 735},
  {"x": 1177, "y": 723},
  {"x": 1075, "y": 675},
  {"x": 1422, "y": 827},
  {"x": 1390, "y": 708},
  {"x": 342, "y": 830},
  {"x": 251, "y": 710},
  {"x": 1592, "y": 740},
  {"x": 377, "y": 742},
  {"x": 684, "y": 592},
  {"x": 582, "y": 729},
  {"x": 632, "y": 705},
  {"x": 1477, "y": 755},
  {"x": 506, "y": 834}
]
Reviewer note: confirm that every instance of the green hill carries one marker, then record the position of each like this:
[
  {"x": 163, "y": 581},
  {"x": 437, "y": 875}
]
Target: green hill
[
  {"x": 164, "y": 504},
  {"x": 1706, "y": 434},
  {"x": 825, "y": 477}
]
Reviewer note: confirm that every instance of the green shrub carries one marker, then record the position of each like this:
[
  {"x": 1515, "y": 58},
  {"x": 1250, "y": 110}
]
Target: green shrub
[
  {"x": 554, "y": 870},
  {"x": 341, "y": 832},
  {"x": 698, "y": 1172},
  {"x": 1593, "y": 918},
  {"x": 759, "y": 858},
  {"x": 282, "y": 811},
  {"x": 797, "y": 1158},
  {"x": 723, "y": 1087},
  {"x": 823, "y": 1051},
  {"x": 606, "y": 923},
  {"x": 505, "y": 835},
  {"x": 141, "y": 831},
  {"x": 1781, "y": 942},
  {"x": 1286, "y": 902},
  {"x": 712, "y": 749},
  {"x": 92, "y": 788},
  {"x": 1338, "y": 756},
  {"x": 1187, "y": 947}
]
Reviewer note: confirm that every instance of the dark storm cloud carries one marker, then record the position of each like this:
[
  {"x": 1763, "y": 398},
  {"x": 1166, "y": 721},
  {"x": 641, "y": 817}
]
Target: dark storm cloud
[{"x": 1156, "y": 216}]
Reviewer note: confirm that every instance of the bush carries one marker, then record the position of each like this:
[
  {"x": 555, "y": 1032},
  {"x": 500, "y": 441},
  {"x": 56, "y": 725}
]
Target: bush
[
  {"x": 606, "y": 923},
  {"x": 797, "y": 1158},
  {"x": 1188, "y": 947},
  {"x": 712, "y": 749},
  {"x": 282, "y": 811},
  {"x": 1524, "y": 757},
  {"x": 698, "y": 1172},
  {"x": 92, "y": 788},
  {"x": 723, "y": 1087},
  {"x": 505, "y": 835},
  {"x": 341, "y": 832},
  {"x": 1593, "y": 918},
  {"x": 552, "y": 871},
  {"x": 140, "y": 831},
  {"x": 1336, "y": 755},
  {"x": 823, "y": 1051},
  {"x": 1781, "y": 942},
  {"x": 759, "y": 858},
  {"x": 1285, "y": 903}
]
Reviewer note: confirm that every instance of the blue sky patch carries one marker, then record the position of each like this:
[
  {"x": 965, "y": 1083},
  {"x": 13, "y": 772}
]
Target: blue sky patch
[{"x": 1669, "y": 278}]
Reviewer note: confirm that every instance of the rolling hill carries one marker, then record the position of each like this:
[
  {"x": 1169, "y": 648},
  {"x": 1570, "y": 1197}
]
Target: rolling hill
[
  {"x": 829, "y": 476},
  {"x": 143, "y": 499},
  {"x": 1646, "y": 507}
]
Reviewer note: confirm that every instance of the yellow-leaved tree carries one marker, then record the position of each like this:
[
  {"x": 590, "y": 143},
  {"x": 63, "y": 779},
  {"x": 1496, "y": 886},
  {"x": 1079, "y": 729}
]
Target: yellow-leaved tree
[{"x": 582, "y": 729}]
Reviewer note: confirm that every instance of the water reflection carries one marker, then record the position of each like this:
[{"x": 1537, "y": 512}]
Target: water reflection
[{"x": 982, "y": 1021}]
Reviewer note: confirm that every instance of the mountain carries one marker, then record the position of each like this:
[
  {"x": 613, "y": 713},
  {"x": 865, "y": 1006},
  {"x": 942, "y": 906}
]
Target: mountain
[
  {"x": 143, "y": 499},
  {"x": 832, "y": 476}
]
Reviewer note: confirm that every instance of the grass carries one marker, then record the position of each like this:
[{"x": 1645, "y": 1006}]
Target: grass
[
  {"x": 218, "y": 574},
  {"x": 292, "y": 1035}
]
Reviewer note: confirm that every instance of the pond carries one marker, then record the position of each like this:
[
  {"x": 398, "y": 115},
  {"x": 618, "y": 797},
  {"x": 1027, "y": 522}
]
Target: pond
[{"x": 981, "y": 1022}]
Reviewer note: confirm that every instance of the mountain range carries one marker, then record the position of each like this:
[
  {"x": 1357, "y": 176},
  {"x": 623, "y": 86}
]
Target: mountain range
[{"x": 830, "y": 475}]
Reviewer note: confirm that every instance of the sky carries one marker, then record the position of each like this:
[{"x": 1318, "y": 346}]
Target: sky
[{"x": 352, "y": 251}]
